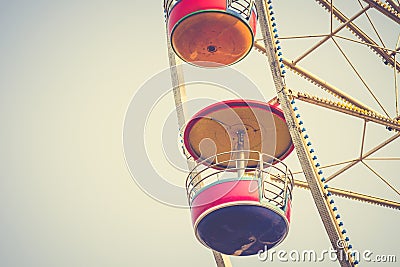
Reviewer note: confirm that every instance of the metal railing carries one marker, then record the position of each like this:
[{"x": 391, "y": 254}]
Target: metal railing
[
  {"x": 168, "y": 5},
  {"x": 242, "y": 7},
  {"x": 208, "y": 172}
]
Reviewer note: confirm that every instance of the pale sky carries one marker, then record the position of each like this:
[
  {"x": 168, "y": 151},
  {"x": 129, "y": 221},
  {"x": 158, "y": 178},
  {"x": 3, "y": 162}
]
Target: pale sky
[{"x": 68, "y": 72}]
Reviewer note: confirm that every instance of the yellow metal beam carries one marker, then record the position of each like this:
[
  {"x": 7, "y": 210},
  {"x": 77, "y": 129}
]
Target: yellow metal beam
[
  {"x": 349, "y": 110},
  {"x": 354, "y": 196}
]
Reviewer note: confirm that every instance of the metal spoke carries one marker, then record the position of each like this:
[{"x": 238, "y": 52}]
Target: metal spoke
[
  {"x": 298, "y": 37},
  {"x": 319, "y": 82},
  {"x": 372, "y": 151},
  {"x": 363, "y": 138},
  {"x": 368, "y": 44},
  {"x": 382, "y": 178},
  {"x": 378, "y": 5},
  {"x": 330, "y": 35},
  {"x": 360, "y": 77},
  {"x": 387, "y": 158},
  {"x": 329, "y": 165},
  {"x": 373, "y": 26},
  {"x": 359, "y": 33}
]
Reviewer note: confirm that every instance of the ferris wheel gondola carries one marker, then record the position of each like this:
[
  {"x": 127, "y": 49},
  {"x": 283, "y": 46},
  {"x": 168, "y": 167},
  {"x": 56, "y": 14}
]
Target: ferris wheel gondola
[
  {"x": 238, "y": 144},
  {"x": 211, "y": 33}
]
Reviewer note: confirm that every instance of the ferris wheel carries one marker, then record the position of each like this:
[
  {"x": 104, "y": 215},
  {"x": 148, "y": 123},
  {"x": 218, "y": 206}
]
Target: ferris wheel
[{"x": 239, "y": 187}]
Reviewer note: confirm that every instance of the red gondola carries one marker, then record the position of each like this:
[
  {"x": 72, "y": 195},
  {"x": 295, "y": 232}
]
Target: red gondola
[{"x": 211, "y": 33}]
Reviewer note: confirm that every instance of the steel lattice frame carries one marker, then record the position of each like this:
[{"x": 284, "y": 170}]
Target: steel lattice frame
[
  {"x": 346, "y": 104},
  {"x": 349, "y": 105}
]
